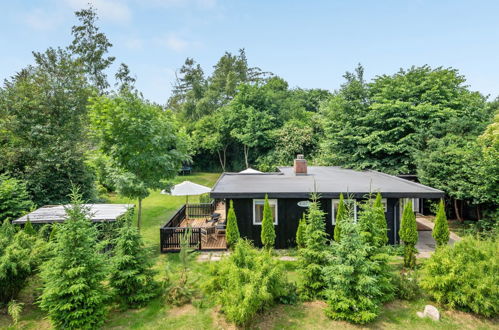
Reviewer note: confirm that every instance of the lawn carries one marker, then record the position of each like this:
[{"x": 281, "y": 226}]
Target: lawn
[{"x": 202, "y": 314}]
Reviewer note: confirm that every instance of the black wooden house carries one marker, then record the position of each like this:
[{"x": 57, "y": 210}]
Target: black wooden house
[{"x": 289, "y": 191}]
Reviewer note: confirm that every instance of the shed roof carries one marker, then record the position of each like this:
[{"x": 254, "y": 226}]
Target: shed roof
[
  {"x": 328, "y": 181},
  {"x": 57, "y": 213}
]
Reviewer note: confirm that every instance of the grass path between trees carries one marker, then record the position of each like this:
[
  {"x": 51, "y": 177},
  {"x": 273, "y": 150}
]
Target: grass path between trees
[{"x": 202, "y": 314}]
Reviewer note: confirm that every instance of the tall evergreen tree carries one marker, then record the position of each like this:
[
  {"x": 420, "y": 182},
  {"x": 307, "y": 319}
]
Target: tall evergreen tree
[
  {"x": 232, "y": 231},
  {"x": 441, "y": 229},
  {"x": 381, "y": 220},
  {"x": 28, "y": 228},
  {"x": 301, "y": 232},
  {"x": 132, "y": 277},
  {"x": 409, "y": 235},
  {"x": 341, "y": 216},
  {"x": 313, "y": 257},
  {"x": 73, "y": 292},
  {"x": 268, "y": 231}
]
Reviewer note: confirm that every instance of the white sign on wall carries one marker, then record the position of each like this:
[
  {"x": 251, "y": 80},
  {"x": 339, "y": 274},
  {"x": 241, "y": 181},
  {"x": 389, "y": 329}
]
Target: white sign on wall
[{"x": 304, "y": 203}]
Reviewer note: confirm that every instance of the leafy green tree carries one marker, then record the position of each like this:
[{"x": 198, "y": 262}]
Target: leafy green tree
[
  {"x": 313, "y": 257},
  {"x": 341, "y": 216},
  {"x": 141, "y": 140},
  {"x": 132, "y": 277},
  {"x": 90, "y": 48},
  {"x": 232, "y": 231},
  {"x": 352, "y": 289},
  {"x": 409, "y": 235},
  {"x": 300, "y": 232},
  {"x": 73, "y": 294},
  {"x": 14, "y": 198},
  {"x": 381, "y": 220},
  {"x": 441, "y": 229},
  {"x": 268, "y": 231}
]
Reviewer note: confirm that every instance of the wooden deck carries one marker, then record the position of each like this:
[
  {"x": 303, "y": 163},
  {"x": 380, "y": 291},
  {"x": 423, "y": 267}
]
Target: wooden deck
[{"x": 202, "y": 222}]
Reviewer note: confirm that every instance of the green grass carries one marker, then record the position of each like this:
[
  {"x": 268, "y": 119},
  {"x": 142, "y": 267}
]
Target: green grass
[{"x": 202, "y": 314}]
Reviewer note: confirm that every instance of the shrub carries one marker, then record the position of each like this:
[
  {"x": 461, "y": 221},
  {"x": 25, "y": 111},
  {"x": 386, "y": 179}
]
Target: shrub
[
  {"x": 300, "y": 232},
  {"x": 409, "y": 235},
  {"x": 268, "y": 231},
  {"x": 313, "y": 257},
  {"x": 73, "y": 293},
  {"x": 407, "y": 287},
  {"x": 131, "y": 274},
  {"x": 14, "y": 198},
  {"x": 464, "y": 276},
  {"x": 441, "y": 229},
  {"x": 232, "y": 231},
  {"x": 14, "y": 310},
  {"x": 340, "y": 217},
  {"x": 353, "y": 291},
  {"x": 247, "y": 282},
  {"x": 28, "y": 228}
]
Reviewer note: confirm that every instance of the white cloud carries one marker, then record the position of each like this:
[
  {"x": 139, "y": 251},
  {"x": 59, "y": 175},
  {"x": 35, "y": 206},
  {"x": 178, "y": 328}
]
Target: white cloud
[
  {"x": 134, "y": 43},
  {"x": 174, "y": 42},
  {"x": 39, "y": 19},
  {"x": 112, "y": 10},
  {"x": 201, "y": 4}
]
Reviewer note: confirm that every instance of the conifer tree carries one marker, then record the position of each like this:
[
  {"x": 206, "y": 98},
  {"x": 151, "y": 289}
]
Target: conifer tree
[
  {"x": 381, "y": 220},
  {"x": 268, "y": 232},
  {"x": 131, "y": 275},
  {"x": 352, "y": 287},
  {"x": 340, "y": 216},
  {"x": 28, "y": 228},
  {"x": 73, "y": 294},
  {"x": 441, "y": 229},
  {"x": 313, "y": 257},
  {"x": 300, "y": 232},
  {"x": 409, "y": 235},
  {"x": 232, "y": 231}
]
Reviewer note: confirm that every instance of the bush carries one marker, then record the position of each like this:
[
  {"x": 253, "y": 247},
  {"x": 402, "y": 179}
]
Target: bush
[
  {"x": 14, "y": 198},
  {"x": 440, "y": 231},
  {"x": 232, "y": 231},
  {"x": 409, "y": 235},
  {"x": 340, "y": 217},
  {"x": 247, "y": 282},
  {"x": 14, "y": 310},
  {"x": 268, "y": 231},
  {"x": 407, "y": 287},
  {"x": 300, "y": 232},
  {"x": 353, "y": 291},
  {"x": 131, "y": 275},
  {"x": 73, "y": 293},
  {"x": 313, "y": 257},
  {"x": 464, "y": 276}
]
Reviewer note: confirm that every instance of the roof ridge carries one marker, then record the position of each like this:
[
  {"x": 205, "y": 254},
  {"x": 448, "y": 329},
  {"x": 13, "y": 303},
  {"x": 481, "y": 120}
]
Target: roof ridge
[{"x": 406, "y": 181}]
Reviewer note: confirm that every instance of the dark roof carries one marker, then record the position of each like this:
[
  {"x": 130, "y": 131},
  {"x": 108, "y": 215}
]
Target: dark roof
[
  {"x": 57, "y": 213},
  {"x": 328, "y": 181}
]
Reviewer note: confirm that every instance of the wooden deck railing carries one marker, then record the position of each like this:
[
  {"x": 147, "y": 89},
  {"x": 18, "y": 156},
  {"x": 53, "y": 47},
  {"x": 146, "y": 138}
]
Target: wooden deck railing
[{"x": 171, "y": 232}]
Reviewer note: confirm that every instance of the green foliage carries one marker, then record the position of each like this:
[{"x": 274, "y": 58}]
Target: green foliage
[
  {"x": 132, "y": 278},
  {"x": 268, "y": 231},
  {"x": 20, "y": 256},
  {"x": 73, "y": 293},
  {"x": 352, "y": 289},
  {"x": 28, "y": 228},
  {"x": 441, "y": 229},
  {"x": 464, "y": 276},
  {"x": 313, "y": 257},
  {"x": 381, "y": 220},
  {"x": 372, "y": 223},
  {"x": 232, "y": 231},
  {"x": 300, "y": 232},
  {"x": 141, "y": 141},
  {"x": 14, "y": 310},
  {"x": 14, "y": 199},
  {"x": 340, "y": 218},
  {"x": 247, "y": 282},
  {"x": 407, "y": 286},
  {"x": 409, "y": 235}
]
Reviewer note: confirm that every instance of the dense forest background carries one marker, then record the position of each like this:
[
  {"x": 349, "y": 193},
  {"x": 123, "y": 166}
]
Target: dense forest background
[{"x": 419, "y": 120}]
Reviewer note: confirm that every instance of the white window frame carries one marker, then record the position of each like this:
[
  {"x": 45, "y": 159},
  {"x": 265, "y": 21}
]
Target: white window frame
[
  {"x": 333, "y": 209},
  {"x": 384, "y": 202},
  {"x": 403, "y": 202},
  {"x": 271, "y": 202}
]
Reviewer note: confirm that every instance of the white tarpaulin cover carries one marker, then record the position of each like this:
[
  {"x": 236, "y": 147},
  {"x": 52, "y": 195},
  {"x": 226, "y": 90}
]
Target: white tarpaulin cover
[
  {"x": 188, "y": 188},
  {"x": 249, "y": 170}
]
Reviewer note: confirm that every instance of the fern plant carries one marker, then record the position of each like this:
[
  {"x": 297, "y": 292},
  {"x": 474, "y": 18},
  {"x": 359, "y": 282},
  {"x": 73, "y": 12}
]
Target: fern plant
[{"x": 14, "y": 309}]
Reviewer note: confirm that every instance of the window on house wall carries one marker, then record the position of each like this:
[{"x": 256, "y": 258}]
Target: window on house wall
[
  {"x": 258, "y": 210},
  {"x": 385, "y": 204},
  {"x": 352, "y": 206},
  {"x": 404, "y": 201}
]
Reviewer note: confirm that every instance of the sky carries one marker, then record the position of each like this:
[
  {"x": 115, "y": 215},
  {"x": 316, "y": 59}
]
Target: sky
[{"x": 310, "y": 44}]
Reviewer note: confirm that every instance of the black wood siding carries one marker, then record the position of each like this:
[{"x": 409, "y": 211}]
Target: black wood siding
[{"x": 289, "y": 214}]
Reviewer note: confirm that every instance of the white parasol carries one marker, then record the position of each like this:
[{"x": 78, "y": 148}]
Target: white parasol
[{"x": 188, "y": 188}]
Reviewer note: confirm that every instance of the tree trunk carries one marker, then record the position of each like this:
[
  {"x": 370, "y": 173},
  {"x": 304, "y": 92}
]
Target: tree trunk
[
  {"x": 456, "y": 209},
  {"x": 246, "y": 150},
  {"x": 221, "y": 161},
  {"x": 478, "y": 216},
  {"x": 139, "y": 215}
]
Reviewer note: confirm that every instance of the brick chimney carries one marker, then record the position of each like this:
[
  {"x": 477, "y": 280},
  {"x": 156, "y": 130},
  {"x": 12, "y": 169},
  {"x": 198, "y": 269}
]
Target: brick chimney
[{"x": 300, "y": 165}]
